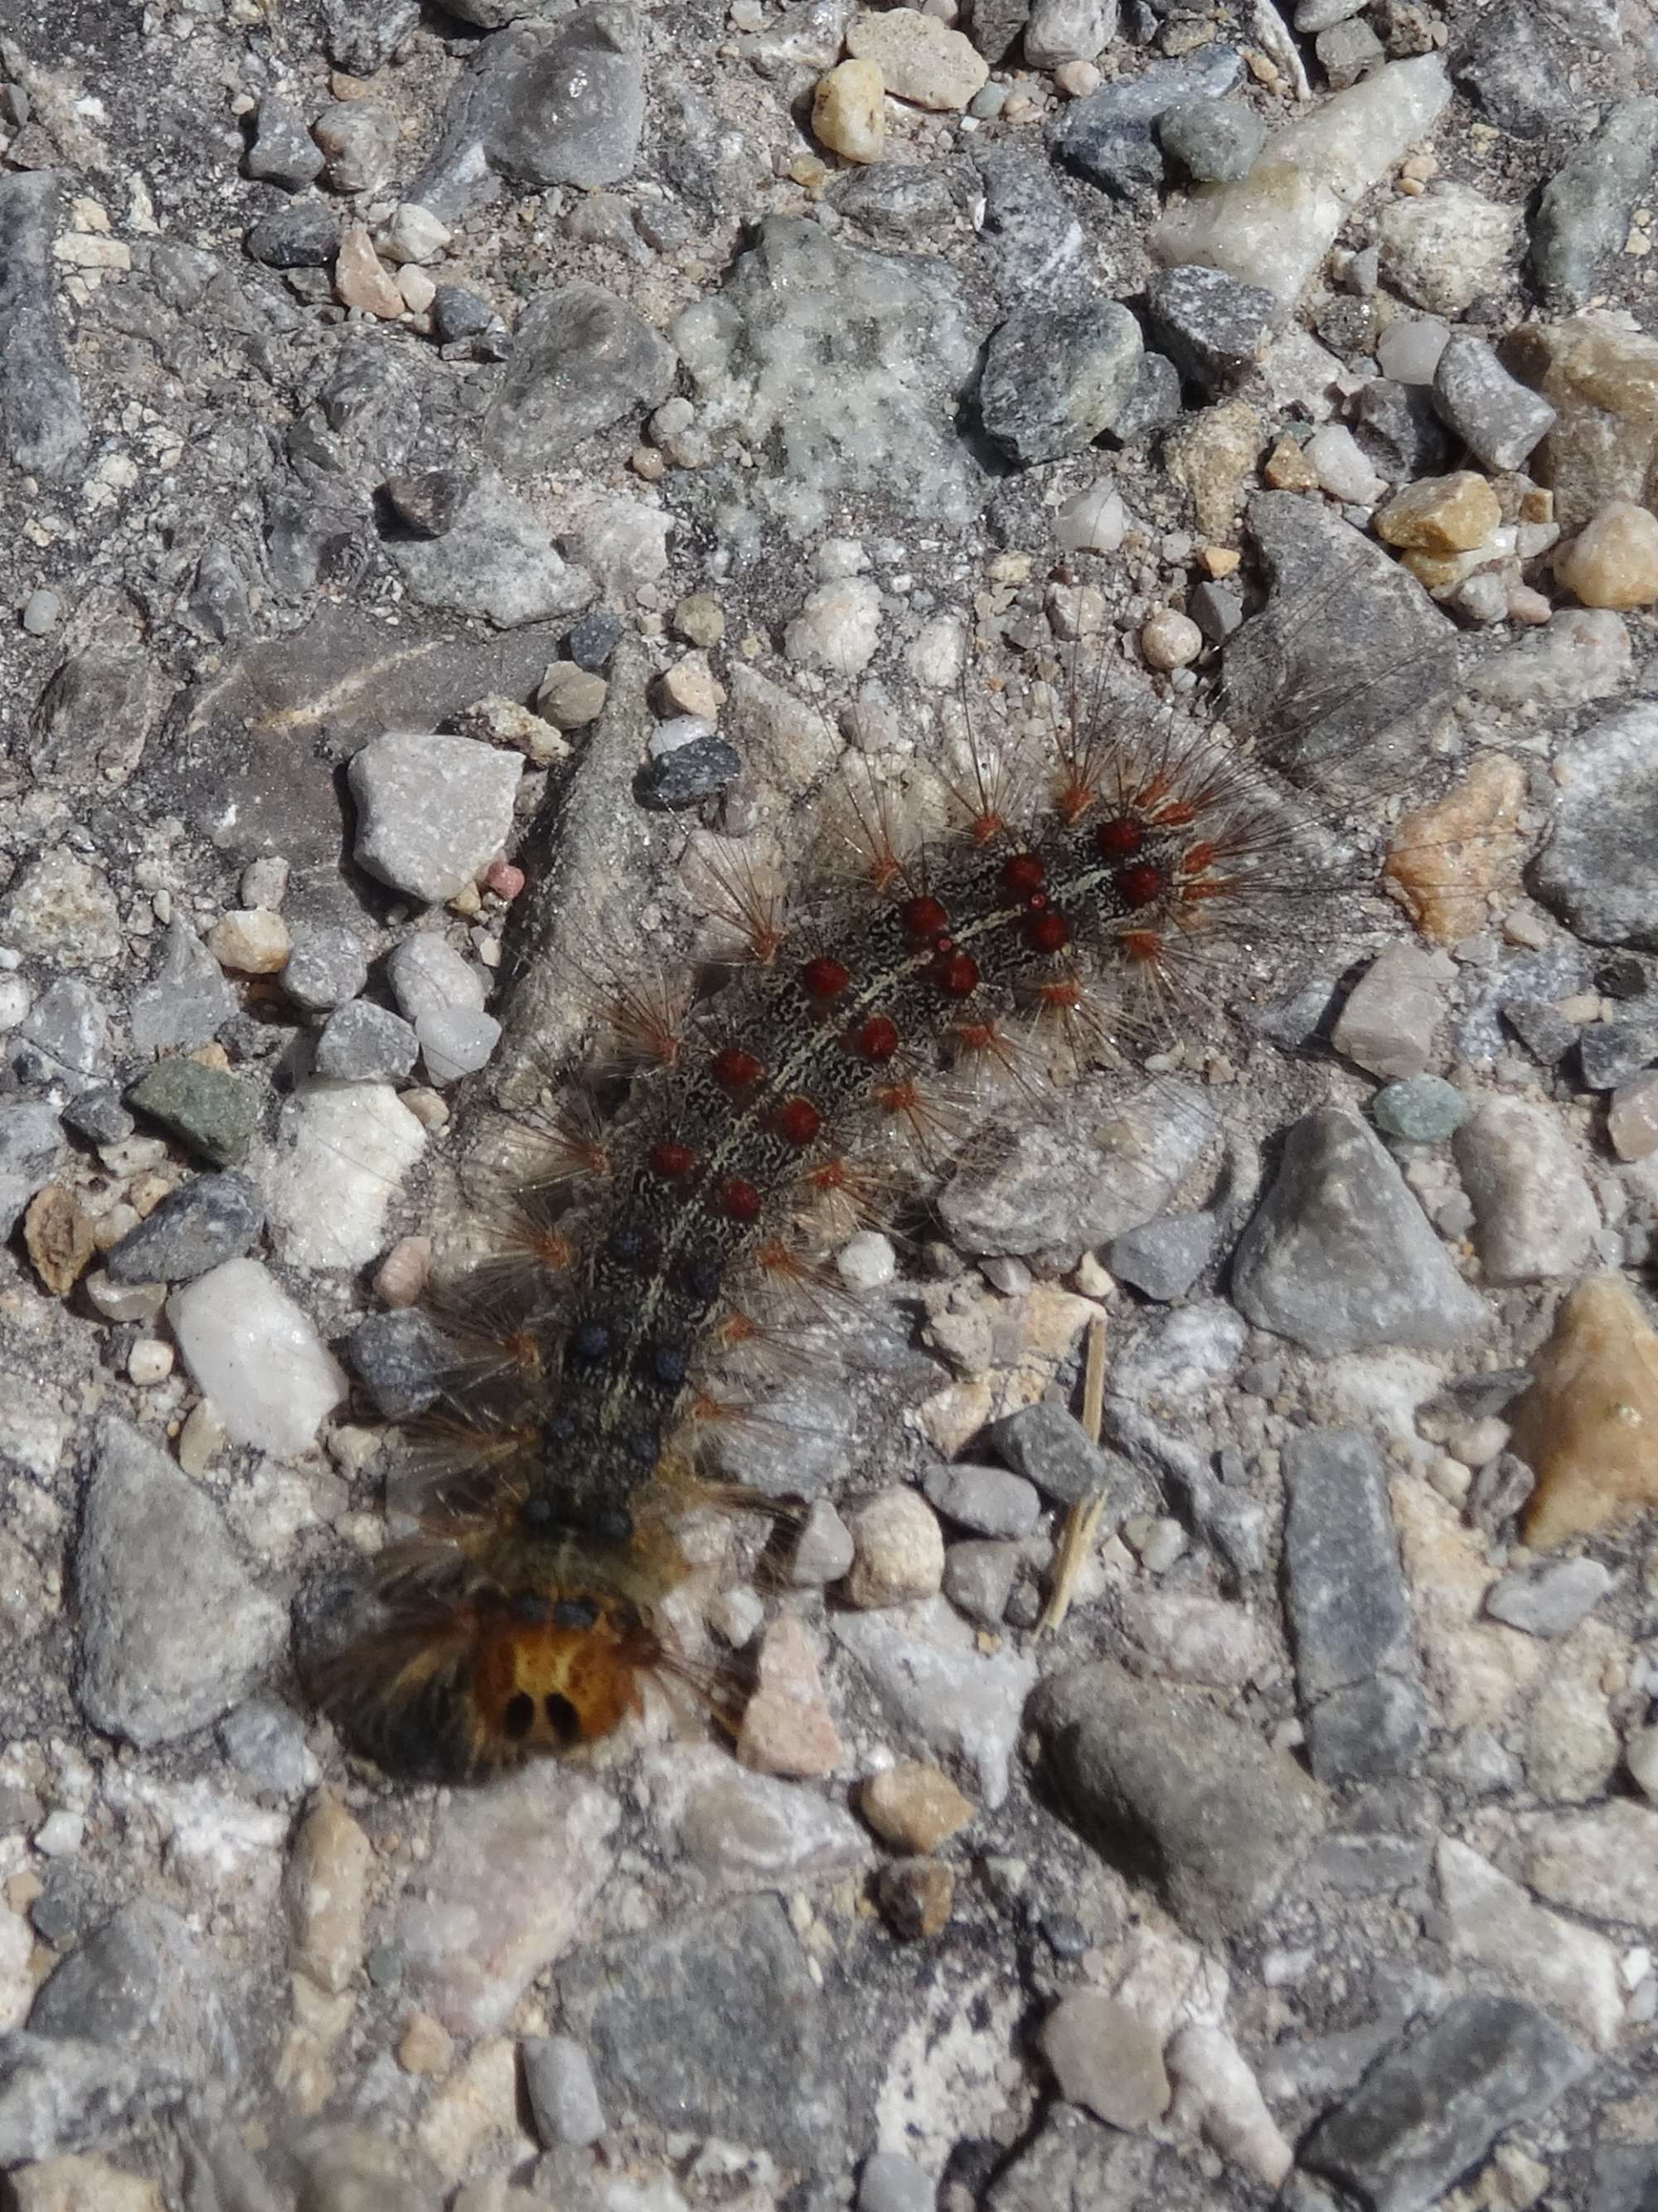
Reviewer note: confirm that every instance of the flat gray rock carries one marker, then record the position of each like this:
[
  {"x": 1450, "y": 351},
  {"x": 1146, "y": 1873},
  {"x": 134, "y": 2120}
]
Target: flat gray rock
[{"x": 42, "y": 428}]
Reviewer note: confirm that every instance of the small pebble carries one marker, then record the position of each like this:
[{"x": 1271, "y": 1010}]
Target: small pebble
[
  {"x": 1409, "y": 349},
  {"x": 892, "y": 2183},
  {"x": 914, "y": 1807},
  {"x": 149, "y": 1362},
  {"x": 898, "y": 1551},
  {"x": 1424, "y": 1109},
  {"x": 1441, "y": 515},
  {"x": 1171, "y": 640},
  {"x": 254, "y": 941},
  {"x": 916, "y": 1896},
  {"x": 848, "y": 111},
  {"x": 42, "y": 612},
  {"x": 571, "y": 697},
  {"x": 1613, "y": 560},
  {"x": 562, "y": 2094}
]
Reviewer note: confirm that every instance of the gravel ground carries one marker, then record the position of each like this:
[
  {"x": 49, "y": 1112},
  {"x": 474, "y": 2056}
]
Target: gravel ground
[{"x": 461, "y": 471}]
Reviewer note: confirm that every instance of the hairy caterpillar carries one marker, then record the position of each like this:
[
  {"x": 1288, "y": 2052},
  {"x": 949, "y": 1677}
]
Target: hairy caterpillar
[{"x": 1084, "y": 909}]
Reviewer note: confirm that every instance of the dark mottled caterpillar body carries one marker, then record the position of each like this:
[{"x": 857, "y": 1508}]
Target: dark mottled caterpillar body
[{"x": 758, "y": 1123}]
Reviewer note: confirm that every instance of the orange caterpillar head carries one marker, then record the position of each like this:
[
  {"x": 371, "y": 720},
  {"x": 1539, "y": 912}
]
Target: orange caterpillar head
[{"x": 453, "y": 1691}]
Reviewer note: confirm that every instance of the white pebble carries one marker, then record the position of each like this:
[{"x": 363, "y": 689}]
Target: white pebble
[
  {"x": 149, "y": 1362},
  {"x": 938, "y": 653},
  {"x": 866, "y": 1262},
  {"x": 1408, "y": 350},
  {"x": 1092, "y": 521},
  {"x": 839, "y": 627},
  {"x": 342, "y": 1150},
  {"x": 680, "y": 730},
  {"x": 250, "y": 1349},
  {"x": 254, "y": 940},
  {"x": 15, "y": 1001},
  {"x": 1171, "y": 640},
  {"x": 1336, "y": 460},
  {"x": 414, "y": 234}
]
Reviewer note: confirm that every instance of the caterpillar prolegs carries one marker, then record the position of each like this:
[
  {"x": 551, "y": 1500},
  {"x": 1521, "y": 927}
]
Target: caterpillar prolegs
[{"x": 1095, "y": 900}]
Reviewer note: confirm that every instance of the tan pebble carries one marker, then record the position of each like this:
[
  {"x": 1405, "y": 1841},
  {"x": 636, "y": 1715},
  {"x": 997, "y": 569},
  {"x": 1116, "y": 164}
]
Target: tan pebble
[
  {"x": 360, "y": 280},
  {"x": 849, "y": 111},
  {"x": 916, "y": 1896},
  {"x": 254, "y": 940},
  {"x": 689, "y": 686},
  {"x": 326, "y": 1887},
  {"x": 700, "y": 619},
  {"x": 914, "y": 1807},
  {"x": 787, "y": 1728},
  {"x": 344, "y": 86},
  {"x": 1441, "y": 514},
  {"x": 922, "y": 59},
  {"x": 1613, "y": 560},
  {"x": 1632, "y": 1119},
  {"x": 1171, "y": 640},
  {"x": 1588, "y": 1424},
  {"x": 570, "y": 697},
  {"x": 202, "y": 1438},
  {"x": 81, "y": 2182},
  {"x": 59, "y": 1238},
  {"x": 418, "y": 289},
  {"x": 645, "y": 461},
  {"x": 1529, "y": 606},
  {"x": 1107, "y": 2057},
  {"x": 425, "y": 2046},
  {"x": 481, "y": 2101},
  {"x": 1449, "y": 859},
  {"x": 1219, "y": 560},
  {"x": 1076, "y": 79},
  {"x": 898, "y": 1551},
  {"x": 402, "y": 1274},
  {"x": 1288, "y": 469}
]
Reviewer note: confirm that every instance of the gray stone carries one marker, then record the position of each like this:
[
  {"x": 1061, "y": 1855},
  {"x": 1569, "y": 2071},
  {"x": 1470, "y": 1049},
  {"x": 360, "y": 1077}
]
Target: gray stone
[
  {"x": 983, "y": 1498},
  {"x": 219, "y": 598},
  {"x": 907, "y": 204},
  {"x": 1609, "y": 1053},
  {"x": 67, "y": 1030},
  {"x": 1427, "y": 2113},
  {"x": 401, "y": 1356},
  {"x": 1166, "y": 1257},
  {"x": 1029, "y": 231},
  {"x": 1583, "y": 215},
  {"x": 1545, "y": 1031},
  {"x": 891, "y": 2183},
  {"x": 1050, "y": 1448},
  {"x": 690, "y": 773},
  {"x": 1357, "y": 1667},
  {"x": 1507, "y": 70},
  {"x": 95, "y": 715},
  {"x": 979, "y": 1578},
  {"x": 362, "y": 35},
  {"x": 1389, "y": 1024},
  {"x": 1422, "y": 1109},
  {"x": 1398, "y": 430},
  {"x": 1074, "y": 2163},
  {"x": 456, "y": 1042},
  {"x": 362, "y": 1042},
  {"x": 1155, "y": 401},
  {"x": 847, "y": 368},
  {"x": 143, "y": 1985},
  {"x": 1496, "y": 417},
  {"x": 429, "y": 976},
  {"x": 941, "y": 1692},
  {"x": 1345, "y": 672},
  {"x": 305, "y": 235},
  {"x": 1550, "y": 1598},
  {"x": 1625, "y": 2177},
  {"x": 459, "y": 314},
  {"x": 359, "y": 140},
  {"x": 1534, "y": 1214},
  {"x": 1599, "y": 867},
  {"x": 210, "y": 1110},
  {"x": 996, "y": 26},
  {"x": 1233, "y": 1525},
  {"x": 1215, "y": 141},
  {"x": 1107, "y": 137},
  {"x": 209, "y": 1218},
  {"x": 1348, "y": 51},
  {"x": 1365, "y": 1865},
  {"x": 714, "y": 2025},
  {"x": 582, "y": 359},
  {"x": 30, "y": 1141},
  {"x": 1339, "y": 1256},
  {"x": 1170, "y": 1788},
  {"x": 558, "y": 103},
  {"x": 496, "y": 559},
  {"x": 433, "y": 810},
  {"x": 99, "y": 1114},
  {"x": 161, "y": 1654},
  {"x": 58, "y": 2096},
  {"x": 1212, "y": 326},
  {"x": 429, "y": 502},
  {"x": 558, "y": 2081},
  {"x": 43, "y": 429},
  {"x": 327, "y": 967},
  {"x": 283, "y": 151},
  {"x": 1175, "y": 1353},
  {"x": 264, "y": 1742}
]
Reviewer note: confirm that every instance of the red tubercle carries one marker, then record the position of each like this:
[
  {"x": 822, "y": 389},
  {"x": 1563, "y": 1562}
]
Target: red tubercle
[
  {"x": 673, "y": 1161},
  {"x": 797, "y": 1120},
  {"x": 1143, "y": 946},
  {"x": 1023, "y": 876},
  {"x": 923, "y": 918},
  {"x": 955, "y": 974},
  {"x": 877, "y": 1039},
  {"x": 735, "y": 1070},
  {"x": 1046, "y": 932},
  {"x": 1197, "y": 858},
  {"x": 739, "y": 1200},
  {"x": 1120, "y": 839},
  {"x": 824, "y": 978},
  {"x": 1143, "y": 884}
]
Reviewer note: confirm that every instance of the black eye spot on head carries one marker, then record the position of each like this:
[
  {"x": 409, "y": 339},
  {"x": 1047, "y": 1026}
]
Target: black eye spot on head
[
  {"x": 668, "y": 1363},
  {"x": 613, "y": 1524},
  {"x": 574, "y": 1612},
  {"x": 590, "y": 1342},
  {"x": 563, "y": 1718},
  {"x": 520, "y": 1717}
]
